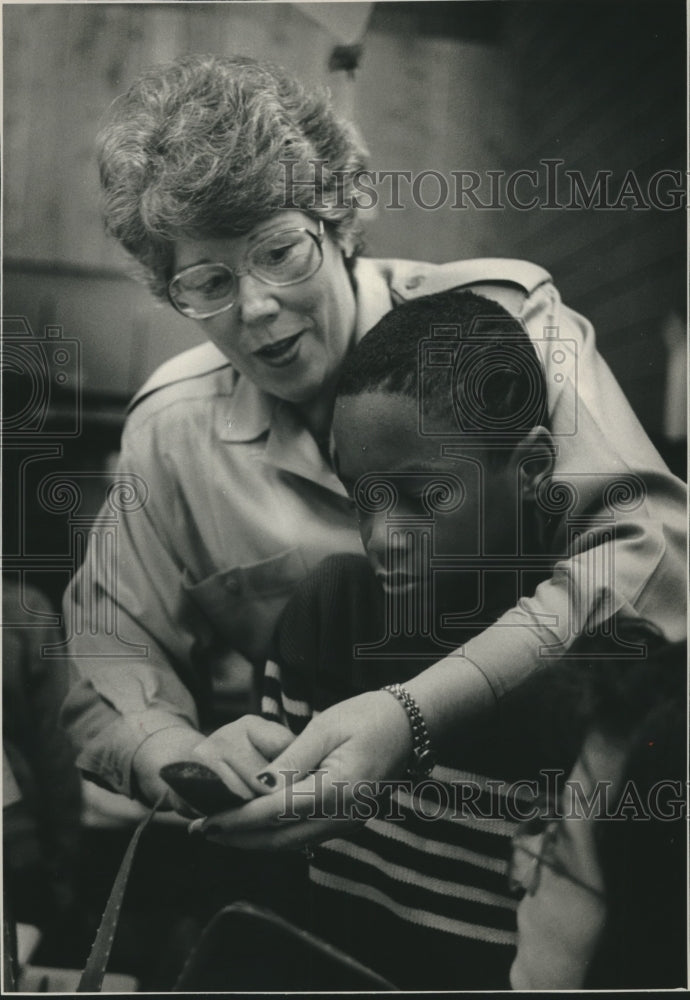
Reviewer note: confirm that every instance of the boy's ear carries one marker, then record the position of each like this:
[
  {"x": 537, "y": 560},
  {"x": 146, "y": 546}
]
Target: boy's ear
[{"x": 537, "y": 456}]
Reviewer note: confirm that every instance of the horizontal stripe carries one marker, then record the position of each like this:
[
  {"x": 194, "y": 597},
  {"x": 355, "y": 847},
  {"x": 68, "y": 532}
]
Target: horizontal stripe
[
  {"x": 271, "y": 691},
  {"x": 270, "y": 707},
  {"x": 413, "y": 914},
  {"x": 272, "y": 669},
  {"x": 496, "y": 827},
  {"x": 481, "y": 841},
  {"x": 399, "y": 832},
  {"x": 453, "y": 868},
  {"x": 300, "y": 709},
  {"x": 451, "y": 775},
  {"x": 414, "y": 876},
  {"x": 410, "y": 892}
]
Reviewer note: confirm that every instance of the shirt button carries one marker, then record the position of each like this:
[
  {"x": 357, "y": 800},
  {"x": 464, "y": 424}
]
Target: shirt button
[{"x": 232, "y": 584}]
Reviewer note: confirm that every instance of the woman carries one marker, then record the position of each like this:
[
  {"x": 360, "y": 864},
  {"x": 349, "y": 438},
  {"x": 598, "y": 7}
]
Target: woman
[{"x": 232, "y": 187}]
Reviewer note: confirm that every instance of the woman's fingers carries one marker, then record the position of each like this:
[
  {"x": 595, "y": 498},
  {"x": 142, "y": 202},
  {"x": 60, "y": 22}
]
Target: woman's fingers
[
  {"x": 306, "y": 812},
  {"x": 320, "y": 783}
]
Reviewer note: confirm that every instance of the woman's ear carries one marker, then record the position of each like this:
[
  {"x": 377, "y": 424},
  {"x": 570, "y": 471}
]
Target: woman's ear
[{"x": 537, "y": 456}]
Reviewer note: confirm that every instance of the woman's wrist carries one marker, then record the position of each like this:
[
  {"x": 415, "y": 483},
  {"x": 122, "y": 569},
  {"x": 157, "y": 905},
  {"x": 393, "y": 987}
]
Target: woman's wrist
[
  {"x": 422, "y": 756},
  {"x": 449, "y": 693}
]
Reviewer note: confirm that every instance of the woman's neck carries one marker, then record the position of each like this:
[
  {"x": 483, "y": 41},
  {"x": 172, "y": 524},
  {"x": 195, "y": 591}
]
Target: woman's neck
[{"x": 317, "y": 416}]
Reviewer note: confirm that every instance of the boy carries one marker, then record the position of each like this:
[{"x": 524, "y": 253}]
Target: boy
[
  {"x": 441, "y": 438},
  {"x": 445, "y": 461}
]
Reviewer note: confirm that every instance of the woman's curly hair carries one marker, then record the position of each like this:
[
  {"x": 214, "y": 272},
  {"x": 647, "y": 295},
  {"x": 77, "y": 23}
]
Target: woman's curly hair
[{"x": 198, "y": 147}]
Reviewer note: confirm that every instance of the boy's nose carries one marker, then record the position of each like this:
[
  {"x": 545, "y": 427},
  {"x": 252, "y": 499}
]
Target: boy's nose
[
  {"x": 384, "y": 547},
  {"x": 374, "y": 532}
]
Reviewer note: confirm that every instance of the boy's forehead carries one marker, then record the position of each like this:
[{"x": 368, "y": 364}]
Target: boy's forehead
[{"x": 379, "y": 429}]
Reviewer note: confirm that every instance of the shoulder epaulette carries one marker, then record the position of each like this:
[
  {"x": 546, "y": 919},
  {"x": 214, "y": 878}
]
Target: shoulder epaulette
[
  {"x": 193, "y": 363},
  {"x": 411, "y": 280}
]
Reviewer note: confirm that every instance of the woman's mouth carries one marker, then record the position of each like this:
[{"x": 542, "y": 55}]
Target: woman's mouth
[{"x": 282, "y": 352}]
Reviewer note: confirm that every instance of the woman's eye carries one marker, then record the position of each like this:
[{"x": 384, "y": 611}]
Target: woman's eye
[
  {"x": 272, "y": 256},
  {"x": 213, "y": 285}
]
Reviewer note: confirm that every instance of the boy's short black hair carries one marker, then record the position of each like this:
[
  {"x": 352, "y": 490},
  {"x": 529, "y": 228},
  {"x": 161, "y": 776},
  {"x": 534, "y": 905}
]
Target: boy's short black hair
[{"x": 469, "y": 363}]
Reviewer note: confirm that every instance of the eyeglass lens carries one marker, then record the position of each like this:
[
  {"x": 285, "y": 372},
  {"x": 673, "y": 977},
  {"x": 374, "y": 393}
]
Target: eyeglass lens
[{"x": 283, "y": 258}]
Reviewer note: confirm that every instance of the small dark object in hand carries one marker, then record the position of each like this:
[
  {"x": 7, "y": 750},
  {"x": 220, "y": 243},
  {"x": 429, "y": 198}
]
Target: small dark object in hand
[{"x": 200, "y": 787}]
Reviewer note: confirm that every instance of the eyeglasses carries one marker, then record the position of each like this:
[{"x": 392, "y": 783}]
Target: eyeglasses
[
  {"x": 531, "y": 851},
  {"x": 283, "y": 258}
]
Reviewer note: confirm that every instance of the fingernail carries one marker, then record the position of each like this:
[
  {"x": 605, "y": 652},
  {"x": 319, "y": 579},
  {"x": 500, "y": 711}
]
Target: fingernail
[
  {"x": 212, "y": 830},
  {"x": 195, "y": 826},
  {"x": 267, "y": 779}
]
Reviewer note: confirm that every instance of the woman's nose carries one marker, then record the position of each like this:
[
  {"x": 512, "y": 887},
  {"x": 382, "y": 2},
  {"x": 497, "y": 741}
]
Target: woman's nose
[{"x": 256, "y": 301}]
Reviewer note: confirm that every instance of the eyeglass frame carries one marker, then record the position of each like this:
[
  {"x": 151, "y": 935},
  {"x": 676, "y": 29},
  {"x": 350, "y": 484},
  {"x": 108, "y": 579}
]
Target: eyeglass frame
[
  {"x": 547, "y": 838},
  {"x": 240, "y": 272}
]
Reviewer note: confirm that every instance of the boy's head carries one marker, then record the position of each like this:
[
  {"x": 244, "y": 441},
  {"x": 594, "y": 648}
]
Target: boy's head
[{"x": 440, "y": 419}]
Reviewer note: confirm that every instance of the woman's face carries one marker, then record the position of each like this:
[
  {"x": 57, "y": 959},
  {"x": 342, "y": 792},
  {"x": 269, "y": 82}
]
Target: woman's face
[{"x": 290, "y": 340}]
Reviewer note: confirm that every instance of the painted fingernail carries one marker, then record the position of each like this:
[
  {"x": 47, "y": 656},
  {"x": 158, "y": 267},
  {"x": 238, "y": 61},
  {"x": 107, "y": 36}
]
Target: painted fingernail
[
  {"x": 267, "y": 779},
  {"x": 212, "y": 830}
]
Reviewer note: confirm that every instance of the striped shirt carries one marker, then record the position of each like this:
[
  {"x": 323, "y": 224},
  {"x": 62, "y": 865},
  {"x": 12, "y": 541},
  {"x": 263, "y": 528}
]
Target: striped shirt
[{"x": 426, "y": 867}]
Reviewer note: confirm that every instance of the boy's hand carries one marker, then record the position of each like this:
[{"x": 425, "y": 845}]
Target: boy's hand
[
  {"x": 164, "y": 747},
  {"x": 364, "y": 739},
  {"x": 237, "y": 751}
]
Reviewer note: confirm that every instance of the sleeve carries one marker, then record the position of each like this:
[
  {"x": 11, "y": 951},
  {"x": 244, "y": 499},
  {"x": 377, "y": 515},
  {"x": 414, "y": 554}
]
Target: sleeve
[
  {"x": 622, "y": 513},
  {"x": 132, "y": 637}
]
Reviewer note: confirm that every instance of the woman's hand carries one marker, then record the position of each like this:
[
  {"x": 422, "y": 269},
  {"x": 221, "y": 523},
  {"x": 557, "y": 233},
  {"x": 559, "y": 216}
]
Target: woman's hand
[{"x": 323, "y": 782}]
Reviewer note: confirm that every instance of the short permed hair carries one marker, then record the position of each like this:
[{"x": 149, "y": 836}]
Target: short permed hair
[
  {"x": 468, "y": 363},
  {"x": 194, "y": 149}
]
